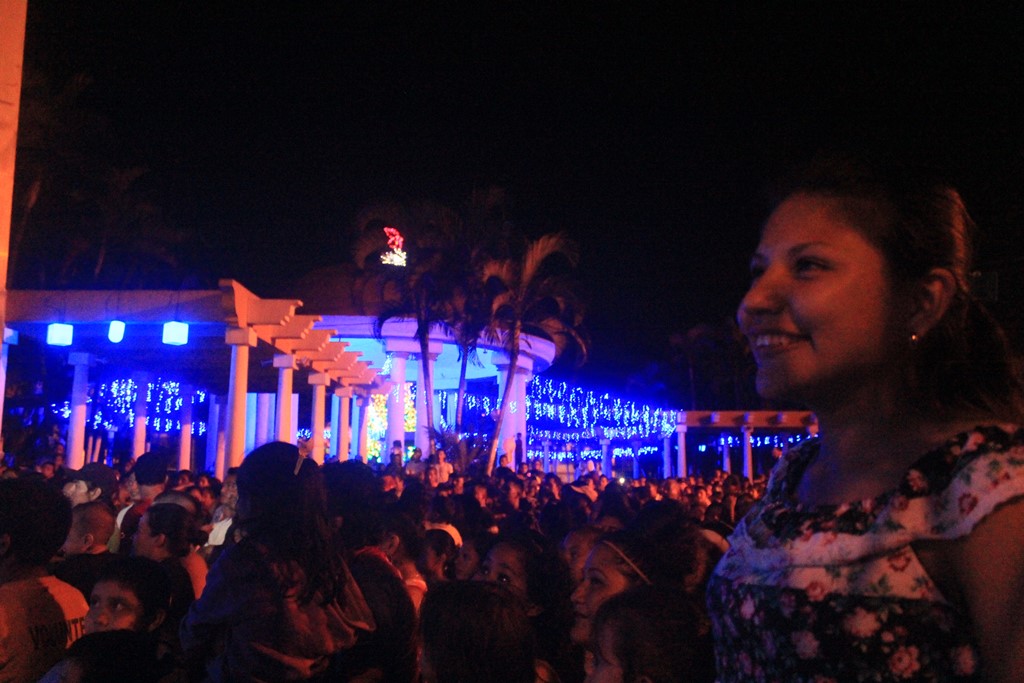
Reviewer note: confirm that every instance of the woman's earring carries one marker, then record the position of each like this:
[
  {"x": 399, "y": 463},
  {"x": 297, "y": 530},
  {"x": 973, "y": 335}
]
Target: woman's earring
[{"x": 913, "y": 340}]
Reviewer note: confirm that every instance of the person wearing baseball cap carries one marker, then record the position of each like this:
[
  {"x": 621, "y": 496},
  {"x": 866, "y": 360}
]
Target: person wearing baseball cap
[
  {"x": 146, "y": 481},
  {"x": 95, "y": 481}
]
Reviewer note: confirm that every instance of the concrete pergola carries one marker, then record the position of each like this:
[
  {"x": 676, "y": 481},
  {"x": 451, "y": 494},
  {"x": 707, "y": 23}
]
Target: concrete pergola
[
  {"x": 237, "y": 343},
  {"x": 245, "y": 350},
  {"x": 397, "y": 349}
]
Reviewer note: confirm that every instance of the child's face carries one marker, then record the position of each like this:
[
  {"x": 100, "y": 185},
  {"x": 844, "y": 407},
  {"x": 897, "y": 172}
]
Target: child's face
[
  {"x": 606, "y": 666},
  {"x": 113, "y": 607},
  {"x": 602, "y": 578}
]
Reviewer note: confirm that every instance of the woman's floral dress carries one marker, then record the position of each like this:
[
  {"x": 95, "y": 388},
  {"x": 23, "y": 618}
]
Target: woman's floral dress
[{"x": 837, "y": 593}]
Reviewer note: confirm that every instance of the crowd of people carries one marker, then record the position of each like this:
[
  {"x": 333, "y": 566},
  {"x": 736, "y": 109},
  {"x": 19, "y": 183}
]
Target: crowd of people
[
  {"x": 888, "y": 548},
  {"x": 289, "y": 570}
]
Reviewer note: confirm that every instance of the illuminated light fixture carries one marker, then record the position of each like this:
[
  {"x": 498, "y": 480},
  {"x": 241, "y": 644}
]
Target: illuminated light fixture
[
  {"x": 175, "y": 333},
  {"x": 115, "y": 332},
  {"x": 396, "y": 256},
  {"x": 59, "y": 334}
]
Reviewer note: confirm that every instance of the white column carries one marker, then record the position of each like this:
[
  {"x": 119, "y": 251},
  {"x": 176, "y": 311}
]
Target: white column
[
  {"x": 364, "y": 429},
  {"x": 141, "y": 380},
  {"x": 636, "y": 459},
  {"x": 213, "y": 457},
  {"x": 546, "y": 445},
  {"x": 75, "y": 456},
  {"x": 748, "y": 451},
  {"x": 335, "y": 420},
  {"x": 10, "y": 339},
  {"x": 396, "y": 401},
  {"x": 508, "y": 426},
  {"x": 523, "y": 377},
  {"x": 319, "y": 382},
  {"x": 285, "y": 364},
  {"x": 666, "y": 457},
  {"x": 240, "y": 340},
  {"x": 263, "y": 413},
  {"x": 423, "y": 436},
  {"x": 726, "y": 458},
  {"x": 343, "y": 432},
  {"x": 185, "y": 435},
  {"x": 251, "y": 406},
  {"x": 356, "y": 446},
  {"x": 606, "y": 458},
  {"x": 681, "y": 470}
]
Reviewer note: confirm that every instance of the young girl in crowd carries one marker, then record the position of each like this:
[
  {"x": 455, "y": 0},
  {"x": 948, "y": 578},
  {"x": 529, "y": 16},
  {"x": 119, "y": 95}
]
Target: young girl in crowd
[
  {"x": 474, "y": 631},
  {"x": 651, "y": 635},
  {"x": 890, "y": 547},
  {"x": 529, "y": 566},
  {"x": 280, "y": 603}
]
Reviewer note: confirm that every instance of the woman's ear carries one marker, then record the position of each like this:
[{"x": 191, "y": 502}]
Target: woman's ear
[
  {"x": 158, "y": 620},
  {"x": 932, "y": 298}
]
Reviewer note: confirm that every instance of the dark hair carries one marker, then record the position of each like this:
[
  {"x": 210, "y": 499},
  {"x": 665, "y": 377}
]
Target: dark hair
[
  {"x": 548, "y": 587},
  {"x": 667, "y": 546},
  {"x": 178, "y": 525},
  {"x": 396, "y": 521},
  {"x": 36, "y": 516},
  {"x": 964, "y": 363},
  {"x": 282, "y": 509},
  {"x": 117, "y": 656},
  {"x": 143, "y": 577},
  {"x": 442, "y": 543},
  {"x": 659, "y": 633},
  {"x": 96, "y": 518},
  {"x": 475, "y": 631}
]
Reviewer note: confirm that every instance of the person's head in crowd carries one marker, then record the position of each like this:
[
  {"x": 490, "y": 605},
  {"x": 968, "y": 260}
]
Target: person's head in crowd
[
  {"x": 660, "y": 549},
  {"x": 403, "y": 538},
  {"x": 512, "y": 490},
  {"x": 353, "y": 503},
  {"x": 282, "y": 508},
  {"x": 432, "y": 477},
  {"x": 148, "y": 477},
  {"x": 458, "y": 480},
  {"x": 529, "y": 566},
  {"x": 132, "y": 593},
  {"x": 576, "y": 547},
  {"x": 183, "y": 500},
  {"x": 182, "y": 480},
  {"x": 472, "y": 553},
  {"x": 473, "y": 631},
  {"x": 944, "y": 356},
  {"x": 504, "y": 460},
  {"x": 229, "y": 489},
  {"x": 92, "y": 525},
  {"x": 612, "y": 510},
  {"x": 651, "y": 634},
  {"x": 34, "y": 521},
  {"x": 95, "y": 481},
  {"x": 123, "y": 656},
  {"x": 437, "y": 558},
  {"x": 46, "y": 466},
  {"x": 166, "y": 530},
  {"x": 482, "y": 492},
  {"x": 204, "y": 496}
]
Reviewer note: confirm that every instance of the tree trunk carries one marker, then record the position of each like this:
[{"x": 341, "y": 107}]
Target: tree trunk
[
  {"x": 428, "y": 385},
  {"x": 513, "y": 364},
  {"x": 461, "y": 396}
]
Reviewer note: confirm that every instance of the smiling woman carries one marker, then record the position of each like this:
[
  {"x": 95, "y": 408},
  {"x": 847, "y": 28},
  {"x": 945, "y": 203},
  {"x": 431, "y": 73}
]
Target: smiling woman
[{"x": 864, "y": 558}]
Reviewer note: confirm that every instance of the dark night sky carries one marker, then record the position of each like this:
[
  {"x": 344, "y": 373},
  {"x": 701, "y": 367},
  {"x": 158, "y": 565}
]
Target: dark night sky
[{"x": 646, "y": 131}]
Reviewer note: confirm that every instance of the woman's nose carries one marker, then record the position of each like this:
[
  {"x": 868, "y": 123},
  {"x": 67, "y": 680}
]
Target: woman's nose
[{"x": 766, "y": 294}]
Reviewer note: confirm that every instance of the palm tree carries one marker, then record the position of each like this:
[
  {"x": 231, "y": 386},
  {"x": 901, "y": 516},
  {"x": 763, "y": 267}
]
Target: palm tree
[
  {"x": 422, "y": 288},
  {"x": 530, "y": 296}
]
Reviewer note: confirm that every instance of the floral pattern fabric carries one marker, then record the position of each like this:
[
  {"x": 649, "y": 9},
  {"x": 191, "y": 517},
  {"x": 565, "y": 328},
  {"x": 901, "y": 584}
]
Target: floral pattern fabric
[{"x": 837, "y": 593}]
